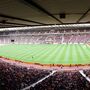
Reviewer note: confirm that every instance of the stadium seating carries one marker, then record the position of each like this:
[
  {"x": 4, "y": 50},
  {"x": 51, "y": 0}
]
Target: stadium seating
[
  {"x": 13, "y": 77},
  {"x": 46, "y": 36}
]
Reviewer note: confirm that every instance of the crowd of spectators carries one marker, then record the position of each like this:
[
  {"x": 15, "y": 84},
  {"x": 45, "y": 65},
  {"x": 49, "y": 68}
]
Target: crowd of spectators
[
  {"x": 87, "y": 72},
  {"x": 66, "y": 80},
  {"x": 46, "y": 36},
  {"x": 13, "y": 77}
]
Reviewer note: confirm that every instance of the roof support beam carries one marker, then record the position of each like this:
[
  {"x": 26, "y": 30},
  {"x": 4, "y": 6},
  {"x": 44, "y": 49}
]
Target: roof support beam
[
  {"x": 21, "y": 19},
  {"x": 31, "y": 2},
  {"x": 83, "y": 16},
  {"x": 7, "y": 26},
  {"x": 11, "y": 23}
]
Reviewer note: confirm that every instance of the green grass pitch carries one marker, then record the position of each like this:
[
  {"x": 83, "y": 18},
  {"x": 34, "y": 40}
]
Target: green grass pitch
[{"x": 48, "y": 53}]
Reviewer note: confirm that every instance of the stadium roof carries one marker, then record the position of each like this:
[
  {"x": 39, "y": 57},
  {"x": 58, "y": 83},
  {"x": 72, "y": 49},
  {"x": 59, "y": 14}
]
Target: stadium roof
[
  {"x": 43, "y": 12},
  {"x": 67, "y": 26}
]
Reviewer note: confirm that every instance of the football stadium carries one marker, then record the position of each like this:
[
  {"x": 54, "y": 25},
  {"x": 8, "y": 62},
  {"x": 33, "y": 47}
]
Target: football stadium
[{"x": 44, "y": 45}]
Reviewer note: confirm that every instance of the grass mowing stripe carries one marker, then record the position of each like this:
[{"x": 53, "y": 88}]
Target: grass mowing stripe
[
  {"x": 57, "y": 59},
  {"x": 39, "y": 54},
  {"x": 17, "y": 51},
  {"x": 70, "y": 55},
  {"x": 66, "y": 57},
  {"x": 77, "y": 54},
  {"x": 43, "y": 58},
  {"x": 50, "y": 55},
  {"x": 22, "y": 51},
  {"x": 61, "y": 55},
  {"x": 59, "y": 51},
  {"x": 74, "y": 54},
  {"x": 87, "y": 49},
  {"x": 86, "y": 54},
  {"x": 82, "y": 56},
  {"x": 53, "y": 54},
  {"x": 84, "y": 51},
  {"x": 28, "y": 55}
]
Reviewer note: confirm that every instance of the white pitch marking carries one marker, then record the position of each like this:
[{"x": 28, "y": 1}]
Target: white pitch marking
[{"x": 84, "y": 75}]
